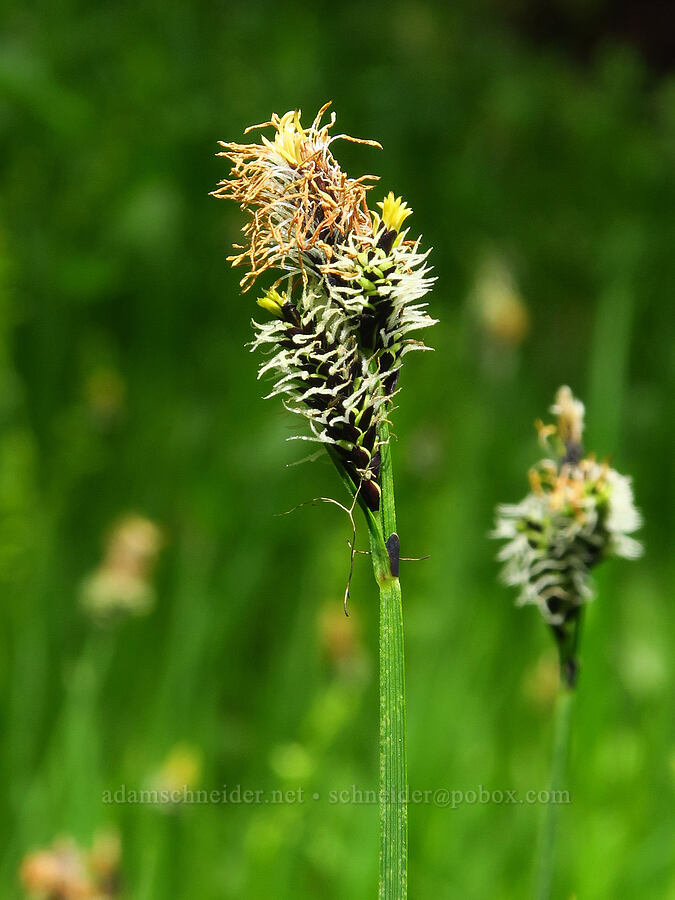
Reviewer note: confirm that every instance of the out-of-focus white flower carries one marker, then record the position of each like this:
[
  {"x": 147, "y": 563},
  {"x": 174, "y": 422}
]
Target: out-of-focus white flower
[
  {"x": 122, "y": 584},
  {"x": 578, "y": 512}
]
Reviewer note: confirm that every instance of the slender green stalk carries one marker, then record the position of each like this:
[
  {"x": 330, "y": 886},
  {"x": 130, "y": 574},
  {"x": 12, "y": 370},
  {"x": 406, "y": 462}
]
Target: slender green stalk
[
  {"x": 393, "y": 782},
  {"x": 393, "y": 762},
  {"x": 547, "y": 842},
  {"x": 393, "y": 776},
  {"x": 387, "y": 483}
]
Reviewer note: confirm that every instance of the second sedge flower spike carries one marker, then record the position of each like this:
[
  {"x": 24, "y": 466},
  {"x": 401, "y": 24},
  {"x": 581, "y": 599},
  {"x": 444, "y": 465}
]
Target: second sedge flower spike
[
  {"x": 346, "y": 291},
  {"x": 578, "y": 512}
]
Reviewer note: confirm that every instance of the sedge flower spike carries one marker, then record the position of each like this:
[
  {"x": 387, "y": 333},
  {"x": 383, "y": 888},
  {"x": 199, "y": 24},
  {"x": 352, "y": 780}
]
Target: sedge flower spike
[
  {"x": 578, "y": 512},
  {"x": 346, "y": 291},
  {"x": 343, "y": 286}
]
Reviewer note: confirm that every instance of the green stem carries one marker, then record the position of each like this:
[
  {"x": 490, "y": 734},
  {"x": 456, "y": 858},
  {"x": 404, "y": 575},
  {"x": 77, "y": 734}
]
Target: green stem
[
  {"x": 393, "y": 776},
  {"x": 547, "y": 843},
  {"x": 388, "y": 506},
  {"x": 393, "y": 783},
  {"x": 393, "y": 763}
]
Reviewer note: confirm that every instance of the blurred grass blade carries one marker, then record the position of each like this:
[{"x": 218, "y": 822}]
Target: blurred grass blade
[{"x": 547, "y": 844}]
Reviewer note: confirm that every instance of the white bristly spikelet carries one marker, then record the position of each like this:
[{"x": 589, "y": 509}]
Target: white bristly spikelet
[{"x": 348, "y": 289}]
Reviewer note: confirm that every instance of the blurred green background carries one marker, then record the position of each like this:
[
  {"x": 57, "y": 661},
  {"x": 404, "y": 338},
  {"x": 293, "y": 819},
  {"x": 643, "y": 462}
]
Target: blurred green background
[{"x": 536, "y": 149}]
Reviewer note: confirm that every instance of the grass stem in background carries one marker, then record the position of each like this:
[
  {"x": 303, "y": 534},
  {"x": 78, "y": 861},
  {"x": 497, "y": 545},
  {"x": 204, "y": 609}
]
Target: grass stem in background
[{"x": 557, "y": 780}]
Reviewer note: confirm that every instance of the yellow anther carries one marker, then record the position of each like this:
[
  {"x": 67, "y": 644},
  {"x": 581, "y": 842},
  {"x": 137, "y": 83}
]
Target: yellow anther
[
  {"x": 273, "y": 301},
  {"x": 394, "y": 212}
]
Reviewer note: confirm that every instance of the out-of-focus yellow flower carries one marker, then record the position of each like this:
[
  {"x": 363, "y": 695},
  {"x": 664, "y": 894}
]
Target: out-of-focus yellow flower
[
  {"x": 289, "y": 139},
  {"x": 394, "y": 212},
  {"x": 133, "y": 546},
  {"x": 182, "y": 769},
  {"x": 174, "y": 781},
  {"x": 273, "y": 301},
  {"x": 501, "y": 310}
]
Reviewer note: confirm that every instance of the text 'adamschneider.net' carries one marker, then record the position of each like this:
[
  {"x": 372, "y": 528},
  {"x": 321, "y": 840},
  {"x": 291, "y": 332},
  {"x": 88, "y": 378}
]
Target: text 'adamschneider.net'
[{"x": 236, "y": 795}]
